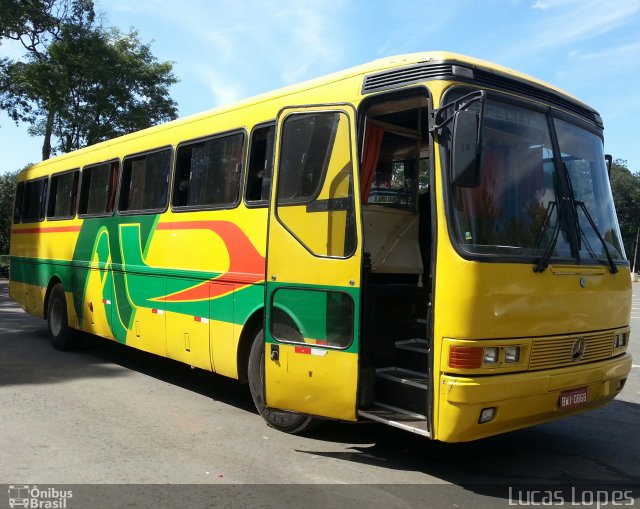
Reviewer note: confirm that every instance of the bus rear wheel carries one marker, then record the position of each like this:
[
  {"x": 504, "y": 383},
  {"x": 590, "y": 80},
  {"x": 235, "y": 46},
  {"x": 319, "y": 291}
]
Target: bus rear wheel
[
  {"x": 57, "y": 322},
  {"x": 288, "y": 422}
]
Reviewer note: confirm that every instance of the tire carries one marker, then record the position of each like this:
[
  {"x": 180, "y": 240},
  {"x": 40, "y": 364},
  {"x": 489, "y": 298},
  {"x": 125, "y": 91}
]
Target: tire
[
  {"x": 61, "y": 336},
  {"x": 288, "y": 422}
]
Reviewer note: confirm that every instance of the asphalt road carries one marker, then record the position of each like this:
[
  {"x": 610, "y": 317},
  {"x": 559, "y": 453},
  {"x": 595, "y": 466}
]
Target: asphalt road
[{"x": 110, "y": 414}]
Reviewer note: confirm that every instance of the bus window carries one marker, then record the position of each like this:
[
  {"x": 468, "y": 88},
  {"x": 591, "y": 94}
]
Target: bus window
[
  {"x": 260, "y": 166},
  {"x": 315, "y": 199},
  {"x": 323, "y": 317},
  {"x": 145, "y": 182},
  {"x": 63, "y": 195},
  {"x": 17, "y": 208},
  {"x": 208, "y": 173},
  {"x": 35, "y": 197},
  {"x": 98, "y": 189}
]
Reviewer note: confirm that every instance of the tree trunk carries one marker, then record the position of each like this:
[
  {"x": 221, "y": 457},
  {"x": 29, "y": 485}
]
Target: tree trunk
[{"x": 46, "y": 145}]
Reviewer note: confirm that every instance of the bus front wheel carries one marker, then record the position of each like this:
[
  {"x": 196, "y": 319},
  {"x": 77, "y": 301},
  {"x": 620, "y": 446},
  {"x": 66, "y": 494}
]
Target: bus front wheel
[
  {"x": 57, "y": 321},
  {"x": 288, "y": 422}
]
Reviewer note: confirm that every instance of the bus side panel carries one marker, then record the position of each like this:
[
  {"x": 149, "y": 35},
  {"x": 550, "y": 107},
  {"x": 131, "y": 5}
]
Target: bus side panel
[
  {"x": 30, "y": 279},
  {"x": 188, "y": 330},
  {"x": 229, "y": 317},
  {"x": 16, "y": 283},
  {"x": 97, "y": 301},
  {"x": 224, "y": 339}
]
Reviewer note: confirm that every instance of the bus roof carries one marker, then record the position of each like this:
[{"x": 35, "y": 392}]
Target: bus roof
[{"x": 381, "y": 64}]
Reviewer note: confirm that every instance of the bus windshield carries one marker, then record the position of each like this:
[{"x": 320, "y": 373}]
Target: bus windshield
[
  {"x": 523, "y": 197},
  {"x": 583, "y": 160}
]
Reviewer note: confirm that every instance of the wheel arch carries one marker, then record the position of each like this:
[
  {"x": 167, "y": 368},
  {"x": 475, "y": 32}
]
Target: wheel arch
[
  {"x": 54, "y": 280},
  {"x": 253, "y": 324}
]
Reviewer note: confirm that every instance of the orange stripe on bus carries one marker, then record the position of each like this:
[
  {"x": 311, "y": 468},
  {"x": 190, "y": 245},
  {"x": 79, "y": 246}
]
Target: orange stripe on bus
[
  {"x": 246, "y": 264},
  {"x": 53, "y": 229}
]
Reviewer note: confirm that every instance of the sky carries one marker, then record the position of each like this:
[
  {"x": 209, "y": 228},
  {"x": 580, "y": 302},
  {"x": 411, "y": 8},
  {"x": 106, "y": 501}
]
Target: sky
[{"x": 226, "y": 50}]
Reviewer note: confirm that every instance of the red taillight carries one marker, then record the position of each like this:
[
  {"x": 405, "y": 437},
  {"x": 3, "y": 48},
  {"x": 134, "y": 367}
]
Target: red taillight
[{"x": 465, "y": 357}]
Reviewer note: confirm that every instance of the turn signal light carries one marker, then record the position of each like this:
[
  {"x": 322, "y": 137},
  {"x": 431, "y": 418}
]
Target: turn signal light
[{"x": 465, "y": 357}]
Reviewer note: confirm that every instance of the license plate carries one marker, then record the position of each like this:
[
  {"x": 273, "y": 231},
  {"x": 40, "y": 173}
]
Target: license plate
[{"x": 573, "y": 398}]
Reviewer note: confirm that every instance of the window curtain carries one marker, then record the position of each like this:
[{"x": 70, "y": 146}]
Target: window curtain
[
  {"x": 488, "y": 198},
  {"x": 372, "y": 142},
  {"x": 113, "y": 185}
]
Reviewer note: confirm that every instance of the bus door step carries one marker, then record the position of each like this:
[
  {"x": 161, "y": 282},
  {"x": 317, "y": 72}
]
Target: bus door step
[
  {"x": 397, "y": 418},
  {"x": 402, "y": 388},
  {"x": 412, "y": 354}
]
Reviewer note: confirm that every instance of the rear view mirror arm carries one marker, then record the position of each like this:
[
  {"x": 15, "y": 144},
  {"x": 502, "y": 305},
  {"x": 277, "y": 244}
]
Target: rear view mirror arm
[{"x": 458, "y": 105}]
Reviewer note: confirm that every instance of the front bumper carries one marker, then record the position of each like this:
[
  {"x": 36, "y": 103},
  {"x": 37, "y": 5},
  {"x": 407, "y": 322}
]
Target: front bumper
[{"x": 522, "y": 399}]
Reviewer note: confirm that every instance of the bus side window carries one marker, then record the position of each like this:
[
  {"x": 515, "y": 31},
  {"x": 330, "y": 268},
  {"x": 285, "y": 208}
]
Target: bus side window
[
  {"x": 62, "y": 195},
  {"x": 35, "y": 198},
  {"x": 17, "y": 209},
  {"x": 208, "y": 173},
  {"x": 145, "y": 182},
  {"x": 260, "y": 166},
  {"x": 98, "y": 189}
]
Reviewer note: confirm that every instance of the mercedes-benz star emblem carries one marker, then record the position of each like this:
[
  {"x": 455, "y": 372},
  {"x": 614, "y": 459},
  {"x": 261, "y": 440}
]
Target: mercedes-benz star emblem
[{"x": 577, "y": 352}]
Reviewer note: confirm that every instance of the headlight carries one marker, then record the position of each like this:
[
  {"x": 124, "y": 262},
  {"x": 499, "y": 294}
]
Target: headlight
[
  {"x": 491, "y": 354},
  {"x": 512, "y": 354}
]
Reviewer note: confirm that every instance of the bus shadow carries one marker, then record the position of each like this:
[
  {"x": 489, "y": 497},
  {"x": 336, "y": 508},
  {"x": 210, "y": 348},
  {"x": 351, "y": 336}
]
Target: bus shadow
[
  {"x": 27, "y": 357},
  {"x": 596, "y": 448},
  {"x": 205, "y": 383},
  {"x": 35, "y": 361}
]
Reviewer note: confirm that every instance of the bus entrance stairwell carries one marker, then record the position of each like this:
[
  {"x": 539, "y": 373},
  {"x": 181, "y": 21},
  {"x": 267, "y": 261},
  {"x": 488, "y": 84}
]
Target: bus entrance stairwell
[{"x": 395, "y": 386}]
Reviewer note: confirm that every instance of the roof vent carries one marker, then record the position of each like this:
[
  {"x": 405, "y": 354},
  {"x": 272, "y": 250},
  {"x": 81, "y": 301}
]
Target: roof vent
[{"x": 405, "y": 76}]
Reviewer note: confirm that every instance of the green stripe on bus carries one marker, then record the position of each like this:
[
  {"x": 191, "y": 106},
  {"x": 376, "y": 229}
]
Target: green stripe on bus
[{"x": 317, "y": 311}]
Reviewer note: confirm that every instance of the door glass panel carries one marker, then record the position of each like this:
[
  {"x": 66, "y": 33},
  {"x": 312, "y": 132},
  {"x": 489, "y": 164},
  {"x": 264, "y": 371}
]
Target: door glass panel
[
  {"x": 315, "y": 187},
  {"x": 313, "y": 317}
]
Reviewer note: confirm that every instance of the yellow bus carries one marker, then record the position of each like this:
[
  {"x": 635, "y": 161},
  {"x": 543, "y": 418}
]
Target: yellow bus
[{"x": 427, "y": 241}]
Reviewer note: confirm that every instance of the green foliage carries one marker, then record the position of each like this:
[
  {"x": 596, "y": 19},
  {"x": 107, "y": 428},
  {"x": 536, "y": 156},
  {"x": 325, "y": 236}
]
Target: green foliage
[
  {"x": 87, "y": 84},
  {"x": 7, "y": 192},
  {"x": 625, "y": 186},
  {"x": 36, "y": 23}
]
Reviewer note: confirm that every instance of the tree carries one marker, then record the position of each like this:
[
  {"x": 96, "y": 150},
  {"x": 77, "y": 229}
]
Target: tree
[
  {"x": 625, "y": 186},
  {"x": 36, "y": 23},
  {"x": 96, "y": 84},
  {"x": 85, "y": 84},
  {"x": 7, "y": 192}
]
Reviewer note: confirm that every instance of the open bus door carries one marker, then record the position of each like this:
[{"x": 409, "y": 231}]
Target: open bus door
[{"x": 313, "y": 265}]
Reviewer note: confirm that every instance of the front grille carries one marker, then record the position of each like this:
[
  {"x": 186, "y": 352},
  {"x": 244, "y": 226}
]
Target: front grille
[{"x": 547, "y": 353}]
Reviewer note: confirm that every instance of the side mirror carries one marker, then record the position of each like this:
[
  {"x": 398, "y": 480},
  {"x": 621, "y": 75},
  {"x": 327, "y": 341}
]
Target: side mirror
[
  {"x": 609, "y": 159},
  {"x": 465, "y": 153}
]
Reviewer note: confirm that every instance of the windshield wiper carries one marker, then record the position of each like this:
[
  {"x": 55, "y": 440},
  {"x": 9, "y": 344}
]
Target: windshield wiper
[
  {"x": 612, "y": 266},
  {"x": 543, "y": 263}
]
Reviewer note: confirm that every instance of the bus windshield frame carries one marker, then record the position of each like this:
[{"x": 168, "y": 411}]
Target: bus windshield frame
[{"x": 542, "y": 174}]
